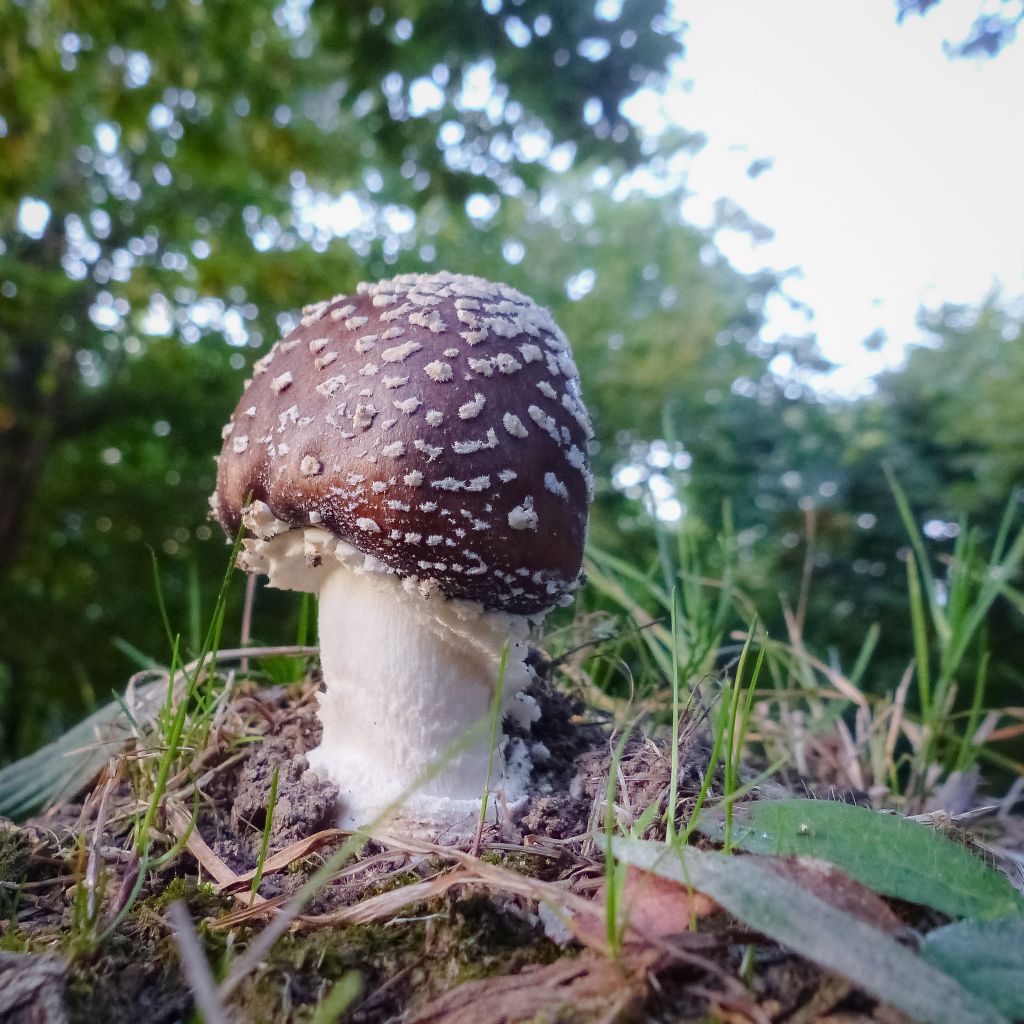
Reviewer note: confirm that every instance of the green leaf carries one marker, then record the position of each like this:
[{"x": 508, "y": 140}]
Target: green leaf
[
  {"x": 68, "y": 764},
  {"x": 887, "y": 853},
  {"x": 786, "y": 912},
  {"x": 986, "y": 957}
]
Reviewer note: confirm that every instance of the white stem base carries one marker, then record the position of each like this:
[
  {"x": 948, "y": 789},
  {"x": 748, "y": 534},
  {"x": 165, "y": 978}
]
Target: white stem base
[{"x": 407, "y": 676}]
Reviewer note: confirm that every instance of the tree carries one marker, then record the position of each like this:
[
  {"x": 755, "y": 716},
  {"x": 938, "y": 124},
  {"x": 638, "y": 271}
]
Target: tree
[
  {"x": 160, "y": 156},
  {"x": 956, "y": 405},
  {"x": 174, "y": 179}
]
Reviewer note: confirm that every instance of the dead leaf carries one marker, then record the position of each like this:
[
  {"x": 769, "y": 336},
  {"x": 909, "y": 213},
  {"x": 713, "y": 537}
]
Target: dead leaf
[
  {"x": 386, "y": 905},
  {"x": 732, "y": 1015},
  {"x": 788, "y": 912},
  {"x": 565, "y": 990},
  {"x": 244, "y": 914},
  {"x": 652, "y": 908},
  {"x": 831, "y": 991},
  {"x": 883, "y": 1015},
  {"x": 846, "y": 1018}
]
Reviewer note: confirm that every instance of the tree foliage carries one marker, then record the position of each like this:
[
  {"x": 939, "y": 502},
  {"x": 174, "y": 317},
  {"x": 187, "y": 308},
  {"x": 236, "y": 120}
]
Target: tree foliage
[
  {"x": 156, "y": 156},
  {"x": 957, "y": 405},
  {"x": 176, "y": 177}
]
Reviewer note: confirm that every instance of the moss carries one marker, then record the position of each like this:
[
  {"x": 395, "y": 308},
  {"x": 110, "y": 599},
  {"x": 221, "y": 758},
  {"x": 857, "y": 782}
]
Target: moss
[
  {"x": 525, "y": 864},
  {"x": 399, "y": 881},
  {"x": 200, "y": 897},
  {"x": 335, "y": 951},
  {"x": 15, "y": 850},
  {"x": 439, "y": 944},
  {"x": 436, "y": 945},
  {"x": 15, "y": 940},
  {"x": 124, "y": 988},
  {"x": 490, "y": 939},
  {"x": 137, "y": 968},
  {"x": 433, "y": 946},
  {"x": 301, "y": 969}
]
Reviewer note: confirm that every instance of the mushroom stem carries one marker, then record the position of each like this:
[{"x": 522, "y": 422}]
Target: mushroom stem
[{"x": 407, "y": 676}]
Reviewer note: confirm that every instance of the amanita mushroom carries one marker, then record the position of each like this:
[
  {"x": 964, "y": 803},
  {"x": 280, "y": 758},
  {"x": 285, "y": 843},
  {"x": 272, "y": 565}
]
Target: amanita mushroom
[{"x": 414, "y": 454}]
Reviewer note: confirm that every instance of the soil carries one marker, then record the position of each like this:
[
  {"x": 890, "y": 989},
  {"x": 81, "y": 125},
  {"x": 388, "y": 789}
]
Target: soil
[{"x": 477, "y": 952}]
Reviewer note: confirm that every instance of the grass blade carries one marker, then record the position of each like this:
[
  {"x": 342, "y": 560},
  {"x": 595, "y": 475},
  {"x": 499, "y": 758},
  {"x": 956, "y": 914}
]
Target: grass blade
[
  {"x": 885, "y": 852},
  {"x": 268, "y": 824},
  {"x": 920, "y": 632},
  {"x": 914, "y": 533}
]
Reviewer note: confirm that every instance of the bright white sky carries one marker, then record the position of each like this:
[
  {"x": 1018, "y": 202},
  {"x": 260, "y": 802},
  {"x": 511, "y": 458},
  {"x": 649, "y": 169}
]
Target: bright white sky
[{"x": 897, "y": 175}]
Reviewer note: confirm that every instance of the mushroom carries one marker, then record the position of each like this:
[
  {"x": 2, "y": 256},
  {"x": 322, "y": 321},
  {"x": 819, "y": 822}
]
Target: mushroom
[{"x": 415, "y": 455}]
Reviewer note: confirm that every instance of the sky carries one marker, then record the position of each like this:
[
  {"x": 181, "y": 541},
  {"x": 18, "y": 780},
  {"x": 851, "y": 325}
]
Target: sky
[{"x": 896, "y": 172}]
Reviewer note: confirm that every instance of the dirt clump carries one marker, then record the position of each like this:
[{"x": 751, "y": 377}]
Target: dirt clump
[{"x": 304, "y": 804}]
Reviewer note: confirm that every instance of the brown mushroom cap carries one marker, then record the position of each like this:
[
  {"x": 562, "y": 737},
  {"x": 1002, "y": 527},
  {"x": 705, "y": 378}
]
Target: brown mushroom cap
[{"x": 433, "y": 421}]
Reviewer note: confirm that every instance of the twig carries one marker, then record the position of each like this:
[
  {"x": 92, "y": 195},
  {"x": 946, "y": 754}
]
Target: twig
[{"x": 246, "y": 632}]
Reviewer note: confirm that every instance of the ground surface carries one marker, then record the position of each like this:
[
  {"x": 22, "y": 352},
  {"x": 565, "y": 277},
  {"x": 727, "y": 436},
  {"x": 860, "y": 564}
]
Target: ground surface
[{"x": 426, "y": 931}]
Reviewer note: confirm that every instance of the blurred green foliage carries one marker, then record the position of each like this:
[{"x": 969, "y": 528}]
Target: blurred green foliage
[{"x": 176, "y": 179}]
